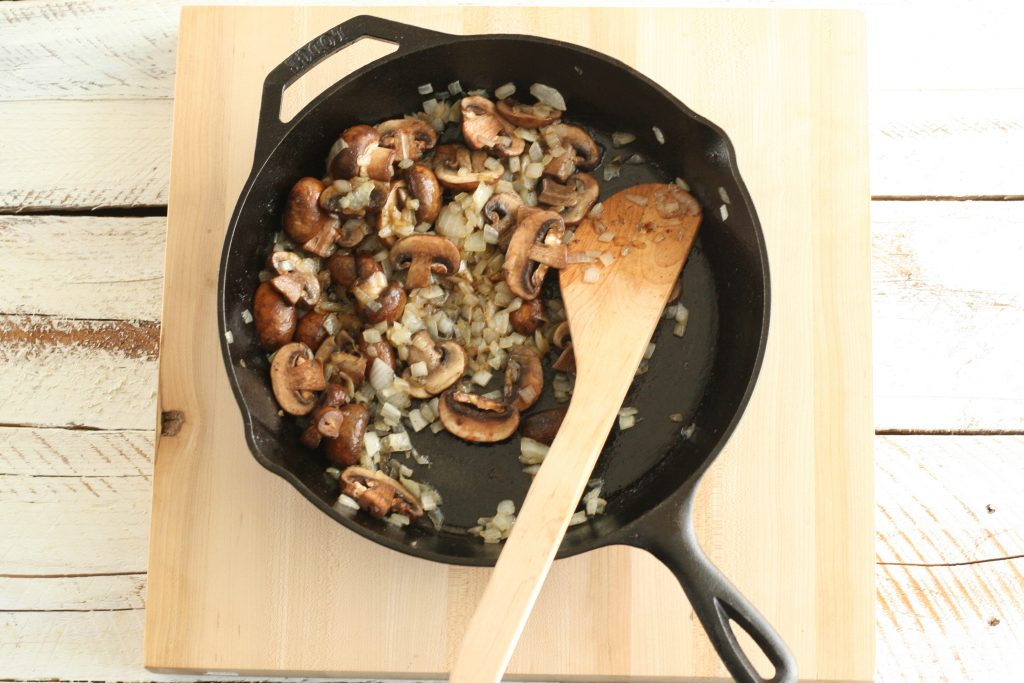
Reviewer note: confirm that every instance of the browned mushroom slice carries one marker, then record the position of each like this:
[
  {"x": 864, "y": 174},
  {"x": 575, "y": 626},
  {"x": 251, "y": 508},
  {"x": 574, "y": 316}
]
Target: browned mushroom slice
[
  {"x": 376, "y": 298},
  {"x": 424, "y": 188},
  {"x": 379, "y": 494},
  {"x": 561, "y": 167},
  {"x": 566, "y": 362},
  {"x": 524, "y": 378},
  {"x": 543, "y": 425},
  {"x": 397, "y": 217},
  {"x": 555, "y": 194},
  {"x": 273, "y": 317},
  {"x": 348, "y": 359},
  {"x": 423, "y": 255},
  {"x": 410, "y": 138},
  {"x": 528, "y": 115},
  {"x": 374, "y": 350},
  {"x": 296, "y": 279},
  {"x": 310, "y": 330},
  {"x": 304, "y": 220},
  {"x": 388, "y": 306},
  {"x": 294, "y": 375},
  {"x": 536, "y": 245},
  {"x": 324, "y": 422},
  {"x": 347, "y": 445},
  {"x": 335, "y": 395},
  {"x": 484, "y": 128},
  {"x": 358, "y": 152},
  {"x": 475, "y": 418},
  {"x": 352, "y": 232},
  {"x": 528, "y": 317},
  {"x": 445, "y": 363},
  {"x": 500, "y": 210},
  {"x": 586, "y": 152},
  {"x": 586, "y": 191},
  {"x": 455, "y": 169},
  {"x": 561, "y": 335}
]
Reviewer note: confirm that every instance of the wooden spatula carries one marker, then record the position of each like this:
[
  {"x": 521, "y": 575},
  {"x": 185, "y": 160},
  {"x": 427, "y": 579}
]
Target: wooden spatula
[{"x": 611, "y": 321}]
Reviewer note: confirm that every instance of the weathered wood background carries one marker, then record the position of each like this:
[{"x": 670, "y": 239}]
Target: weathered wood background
[{"x": 85, "y": 111}]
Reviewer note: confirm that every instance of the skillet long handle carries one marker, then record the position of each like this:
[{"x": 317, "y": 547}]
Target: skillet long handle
[
  {"x": 529, "y": 551},
  {"x": 717, "y": 602}
]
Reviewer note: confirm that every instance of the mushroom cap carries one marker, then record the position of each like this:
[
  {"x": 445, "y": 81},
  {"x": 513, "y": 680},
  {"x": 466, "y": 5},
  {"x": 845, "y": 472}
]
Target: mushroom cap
[
  {"x": 566, "y": 361},
  {"x": 295, "y": 280},
  {"x": 423, "y": 186},
  {"x": 446, "y": 362},
  {"x": 325, "y": 421},
  {"x": 342, "y": 267},
  {"x": 588, "y": 154},
  {"x": 449, "y": 159},
  {"x": 357, "y": 481},
  {"x": 501, "y": 211},
  {"x": 303, "y": 218},
  {"x": 527, "y": 115},
  {"x": 524, "y": 378},
  {"x": 561, "y": 167},
  {"x": 347, "y": 445},
  {"x": 359, "y": 142},
  {"x": 528, "y": 317},
  {"x": 273, "y": 317},
  {"x": 484, "y": 128},
  {"x": 587, "y": 191},
  {"x": 523, "y": 272},
  {"x": 352, "y": 232},
  {"x": 543, "y": 425},
  {"x": 294, "y": 375},
  {"x": 422, "y": 255},
  {"x": 409, "y": 137},
  {"x": 388, "y": 306},
  {"x": 310, "y": 330},
  {"x": 474, "y": 418}
]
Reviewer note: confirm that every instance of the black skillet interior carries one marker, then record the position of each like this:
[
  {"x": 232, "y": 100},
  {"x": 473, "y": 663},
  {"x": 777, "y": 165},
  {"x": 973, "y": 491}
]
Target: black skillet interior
[{"x": 706, "y": 375}]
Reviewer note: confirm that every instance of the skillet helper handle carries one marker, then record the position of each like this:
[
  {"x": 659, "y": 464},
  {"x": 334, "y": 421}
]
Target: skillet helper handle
[
  {"x": 717, "y": 602},
  {"x": 407, "y": 38}
]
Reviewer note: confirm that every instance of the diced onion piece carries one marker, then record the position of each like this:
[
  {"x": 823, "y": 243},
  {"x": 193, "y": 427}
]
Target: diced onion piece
[
  {"x": 627, "y": 410},
  {"x": 531, "y": 452},
  {"x": 418, "y": 369},
  {"x": 724, "y": 195},
  {"x": 591, "y": 274},
  {"x": 398, "y": 520},
  {"x": 397, "y": 441},
  {"x": 425, "y": 89},
  {"x": 455, "y": 87},
  {"x": 578, "y": 518},
  {"x": 649, "y": 353},
  {"x": 482, "y": 377},
  {"x": 545, "y": 94},
  {"x": 371, "y": 442},
  {"x": 724, "y": 210},
  {"x": 381, "y": 375},
  {"x": 228, "y": 337},
  {"x": 503, "y": 91},
  {"x": 606, "y": 237},
  {"x": 346, "y": 502},
  {"x": 676, "y": 417},
  {"x": 475, "y": 242},
  {"x": 506, "y": 507},
  {"x": 606, "y": 258},
  {"x": 619, "y": 139},
  {"x": 682, "y": 317},
  {"x": 371, "y": 335},
  {"x": 658, "y": 135},
  {"x": 682, "y": 184},
  {"x": 626, "y": 421},
  {"x": 391, "y": 416},
  {"x": 246, "y": 316}
]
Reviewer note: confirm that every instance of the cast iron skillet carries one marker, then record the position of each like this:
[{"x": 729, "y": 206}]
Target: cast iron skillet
[{"x": 650, "y": 472}]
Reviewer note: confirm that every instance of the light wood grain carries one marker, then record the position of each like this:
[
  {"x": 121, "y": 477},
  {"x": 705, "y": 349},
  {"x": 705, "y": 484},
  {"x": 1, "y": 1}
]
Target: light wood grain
[
  {"x": 82, "y": 267},
  {"x": 949, "y": 315},
  {"x": 949, "y": 499},
  {"x": 234, "y": 566},
  {"x": 82, "y": 373},
  {"x": 84, "y": 154}
]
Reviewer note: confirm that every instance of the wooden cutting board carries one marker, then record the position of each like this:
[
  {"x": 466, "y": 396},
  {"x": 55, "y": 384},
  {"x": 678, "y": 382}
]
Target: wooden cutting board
[{"x": 246, "y": 576}]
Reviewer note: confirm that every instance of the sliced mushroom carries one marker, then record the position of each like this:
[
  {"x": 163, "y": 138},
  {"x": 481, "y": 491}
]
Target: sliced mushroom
[
  {"x": 352, "y": 232},
  {"x": 524, "y": 378},
  {"x": 294, "y": 375},
  {"x": 475, "y": 418},
  {"x": 379, "y": 494},
  {"x": 566, "y": 361},
  {"x": 561, "y": 335},
  {"x": 324, "y": 422},
  {"x": 346, "y": 447},
  {"x": 528, "y": 317},
  {"x": 310, "y": 330},
  {"x": 586, "y": 191},
  {"x": 459, "y": 169},
  {"x": 296, "y": 279},
  {"x": 527, "y": 115},
  {"x": 484, "y": 128},
  {"x": 587, "y": 154},
  {"x": 334, "y": 395},
  {"x": 376, "y": 298},
  {"x": 423, "y": 255},
  {"x": 361, "y": 154},
  {"x": 356, "y": 197},
  {"x": 501, "y": 211},
  {"x": 543, "y": 425},
  {"x": 445, "y": 364},
  {"x": 273, "y": 317},
  {"x": 425, "y": 189},
  {"x": 555, "y": 194},
  {"x": 410, "y": 138},
  {"x": 348, "y": 359},
  {"x": 397, "y": 216},
  {"x": 388, "y": 306},
  {"x": 536, "y": 245},
  {"x": 304, "y": 220}
]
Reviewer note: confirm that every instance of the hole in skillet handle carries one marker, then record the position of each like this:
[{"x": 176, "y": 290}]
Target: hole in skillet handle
[{"x": 276, "y": 114}]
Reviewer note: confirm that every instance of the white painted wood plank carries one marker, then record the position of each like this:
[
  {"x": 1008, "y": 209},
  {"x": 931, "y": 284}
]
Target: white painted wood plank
[
  {"x": 75, "y": 453},
  {"x": 60, "y": 373},
  {"x": 950, "y": 623},
  {"x": 948, "y": 312},
  {"x": 948, "y": 499},
  {"x": 82, "y": 267},
  {"x": 72, "y": 593},
  {"x": 84, "y": 154}
]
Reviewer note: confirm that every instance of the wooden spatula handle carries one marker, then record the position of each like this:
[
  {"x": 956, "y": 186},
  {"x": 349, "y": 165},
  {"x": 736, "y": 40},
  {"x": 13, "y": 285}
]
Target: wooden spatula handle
[{"x": 527, "y": 556}]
